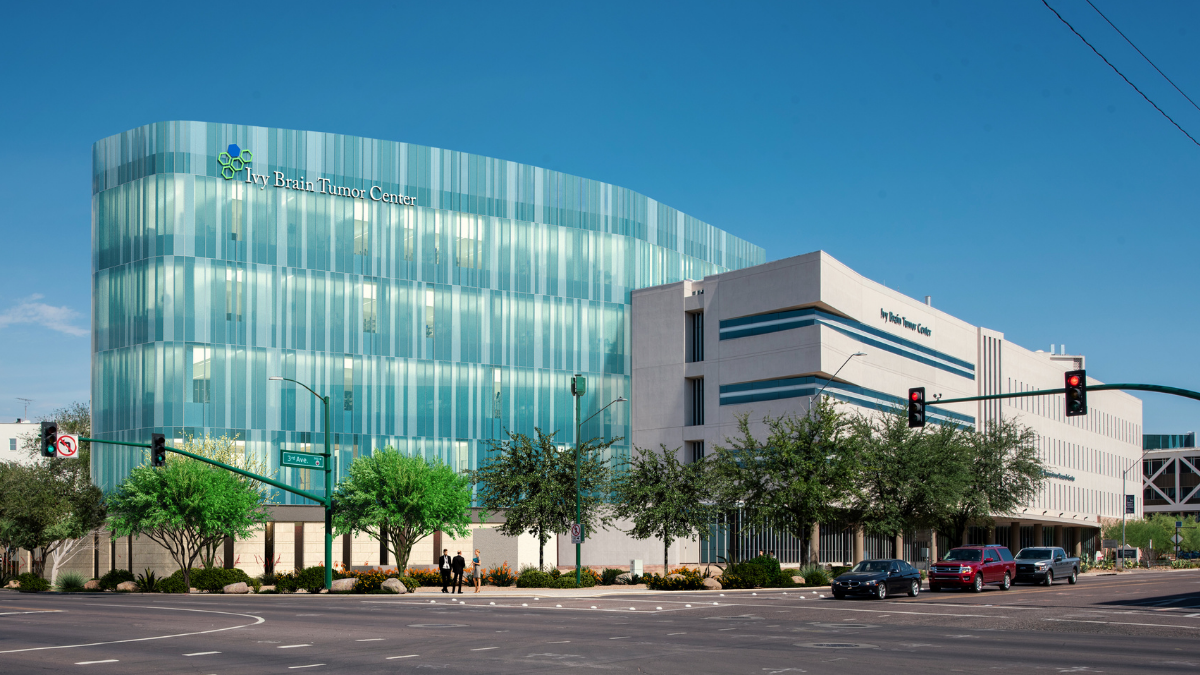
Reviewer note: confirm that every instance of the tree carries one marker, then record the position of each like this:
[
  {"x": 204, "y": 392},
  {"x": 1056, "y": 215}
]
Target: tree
[
  {"x": 50, "y": 503},
  {"x": 185, "y": 507},
  {"x": 999, "y": 471},
  {"x": 663, "y": 497},
  {"x": 803, "y": 472},
  {"x": 403, "y": 499},
  {"x": 1157, "y": 528},
  {"x": 532, "y": 481},
  {"x": 908, "y": 477}
]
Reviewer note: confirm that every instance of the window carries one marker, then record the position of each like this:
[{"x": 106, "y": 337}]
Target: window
[
  {"x": 467, "y": 251},
  {"x": 696, "y": 407},
  {"x": 12, "y": 444},
  {"x": 348, "y": 383},
  {"x": 461, "y": 456},
  {"x": 1005, "y": 554},
  {"x": 237, "y": 213},
  {"x": 234, "y": 283},
  {"x": 370, "y": 324},
  {"x": 406, "y": 225},
  {"x": 496, "y": 393},
  {"x": 695, "y": 337},
  {"x": 201, "y": 374},
  {"x": 362, "y": 229},
  {"x": 696, "y": 450},
  {"x": 429, "y": 312}
]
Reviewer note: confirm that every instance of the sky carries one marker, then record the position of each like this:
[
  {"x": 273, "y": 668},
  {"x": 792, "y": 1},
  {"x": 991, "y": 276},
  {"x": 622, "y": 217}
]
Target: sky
[{"x": 979, "y": 153}]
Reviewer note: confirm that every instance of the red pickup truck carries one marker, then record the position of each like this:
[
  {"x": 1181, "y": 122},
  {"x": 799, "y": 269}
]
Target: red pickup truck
[{"x": 972, "y": 567}]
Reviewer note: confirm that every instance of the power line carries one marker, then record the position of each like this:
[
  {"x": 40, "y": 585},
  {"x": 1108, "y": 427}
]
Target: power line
[
  {"x": 1110, "y": 65},
  {"x": 1197, "y": 107}
]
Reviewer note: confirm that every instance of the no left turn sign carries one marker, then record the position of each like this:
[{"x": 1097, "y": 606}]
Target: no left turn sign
[{"x": 68, "y": 445}]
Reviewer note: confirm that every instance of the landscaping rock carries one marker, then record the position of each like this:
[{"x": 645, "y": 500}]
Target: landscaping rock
[
  {"x": 13, "y": 584},
  {"x": 712, "y": 585},
  {"x": 624, "y": 578},
  {"x": 798, "y": 580},
  {"x": 674, "y": 576},
  {"x": 343, "y": 585},
  {"x": 127, "y": 586},
  {"x": 394, "y": 586},
  {"x": 238, "y": 588},
  {"x": 93, "y": 585},
  {"x": 267, "y": 589}
]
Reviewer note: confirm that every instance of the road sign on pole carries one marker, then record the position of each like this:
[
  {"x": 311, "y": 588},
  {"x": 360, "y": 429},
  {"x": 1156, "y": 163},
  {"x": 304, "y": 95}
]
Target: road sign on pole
[
  {"x": 67, "y": 446},
  {"x": 301, "y": 460},
  {"x": 1176, "y": 538},
  {"x": 576, "y": 533}
]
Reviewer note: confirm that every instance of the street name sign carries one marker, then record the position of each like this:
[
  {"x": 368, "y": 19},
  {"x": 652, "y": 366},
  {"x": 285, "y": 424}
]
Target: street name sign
[{"x": 301, "y": 460}]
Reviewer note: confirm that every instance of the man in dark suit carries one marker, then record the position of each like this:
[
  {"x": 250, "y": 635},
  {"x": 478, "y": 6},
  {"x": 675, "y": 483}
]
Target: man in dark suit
[
  {"x": 458, "y": 565},
  {"x": 444, "y": 563}
]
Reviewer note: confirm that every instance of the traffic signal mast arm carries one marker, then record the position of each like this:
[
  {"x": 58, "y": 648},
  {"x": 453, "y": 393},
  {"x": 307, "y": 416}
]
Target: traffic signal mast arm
[
  {"x": 1157, "y": 388},
  {"x": 248, "y": 474}
]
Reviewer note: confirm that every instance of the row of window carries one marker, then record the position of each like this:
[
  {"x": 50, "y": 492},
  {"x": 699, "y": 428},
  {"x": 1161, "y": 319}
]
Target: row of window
[{"x": 1053, "y": 406}]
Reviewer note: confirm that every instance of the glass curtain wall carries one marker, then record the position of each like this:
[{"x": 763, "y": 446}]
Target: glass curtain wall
[{"x": 434, "y": 319}]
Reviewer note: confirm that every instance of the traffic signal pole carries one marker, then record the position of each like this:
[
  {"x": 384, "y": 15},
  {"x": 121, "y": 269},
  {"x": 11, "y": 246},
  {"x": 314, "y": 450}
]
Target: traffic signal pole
[{"x": 1156, "y": 388}]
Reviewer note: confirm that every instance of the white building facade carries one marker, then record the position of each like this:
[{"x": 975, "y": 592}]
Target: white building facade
[{"x": 763, "y": 340}]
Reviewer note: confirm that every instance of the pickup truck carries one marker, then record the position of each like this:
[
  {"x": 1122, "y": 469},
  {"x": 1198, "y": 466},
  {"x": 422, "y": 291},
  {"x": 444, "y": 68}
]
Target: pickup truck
[
  {"x": 1044, "y": 564},
  {"x": 972, "y": 567}
]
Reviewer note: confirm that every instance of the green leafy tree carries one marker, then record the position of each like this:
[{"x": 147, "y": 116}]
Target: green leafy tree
[
  {"x": 908, "y": 477},
  {"x": 49, "y": 504},
  {"x": 663, "y": 497},
  {"x": 804, "y": 471},
  {"x": 532, "y": 481},
  {"x": 403, "y": 498},
  {"x": 186, "y": 507},
  {"x": 999, "y": 471},
  {"x": 1157, "y": 528}
]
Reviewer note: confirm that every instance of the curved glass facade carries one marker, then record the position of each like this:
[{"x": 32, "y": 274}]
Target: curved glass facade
[{"x": 437, "y": 297}]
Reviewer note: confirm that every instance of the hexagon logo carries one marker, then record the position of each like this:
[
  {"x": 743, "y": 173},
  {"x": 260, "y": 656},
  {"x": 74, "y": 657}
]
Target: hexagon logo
[{"x": 233, "y": 160}]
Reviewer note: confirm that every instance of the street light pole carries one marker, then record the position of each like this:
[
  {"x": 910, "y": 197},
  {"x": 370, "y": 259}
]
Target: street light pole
[
  {"x": 328, "y": 501},
  {"x": 835, "y": 374},
  {"x": 578, "y": 388}
]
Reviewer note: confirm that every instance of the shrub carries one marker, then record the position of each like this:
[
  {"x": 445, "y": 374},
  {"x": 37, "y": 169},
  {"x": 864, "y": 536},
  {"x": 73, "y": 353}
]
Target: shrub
[
  {"x": 692, "y": 580},
  {"x": 173, "y": 583},
  {"x": 215, "y": 579},
  {"x": 109, "y": 581},
  {"x": 147, "y": 582},
  {"x": 32, "y": 583},
  {"x": 500, "y": 575},
  {"x": 814, "y": 575},
  {"x": 760, "y": 572},
  {"x": 69, "y": 582},
  {"x": 425, "y": 577},
  {"x": 609, "y": 576},
  {"x": 311, "y": 579},
  {"x": 838, "y": 571},
  {"x": 532, "y": 577}
]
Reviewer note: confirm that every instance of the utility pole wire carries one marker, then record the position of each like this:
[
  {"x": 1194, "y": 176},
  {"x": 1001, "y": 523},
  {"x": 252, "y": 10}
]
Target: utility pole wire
[
  {"x": 1110, "y": 65},
  {"x": 1197, "y": 107}
]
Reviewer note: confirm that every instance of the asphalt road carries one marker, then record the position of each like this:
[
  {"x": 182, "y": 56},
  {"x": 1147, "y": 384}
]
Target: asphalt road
[{"x": 1134, "y": 623}]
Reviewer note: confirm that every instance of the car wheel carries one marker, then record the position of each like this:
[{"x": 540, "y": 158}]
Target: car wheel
[
  {"x": 1074, "y": 577},
  {"x": 1049, "y": 578},
  {"x": 977, "y": 585},
  {"x": 839, "y": 596},
  {"x": 1007, "y": 582},
  {"x": 881, "y": 591},
  {"x": 914, "y": 588}
]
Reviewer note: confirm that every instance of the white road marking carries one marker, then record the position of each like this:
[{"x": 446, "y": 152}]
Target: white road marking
[
  {"x": 156, "y": 637},
  {"x": 1125, "y": 623},
  {"x": 201, "y": 653},
  {"x": 406, "y": 656},
  {"x": 41, "y": 611},
  {"x": 311, "y": 665},
  {"x": 559, "y": 642},
  {"x": 88, "y": 663},
  {"x": 483, "y": 649},
  {"x": 369, "y": 640},
  {"x": 676, "y": 633},
  {"x": 291, "y": 646},
  {"x": 625, "y": 637}
]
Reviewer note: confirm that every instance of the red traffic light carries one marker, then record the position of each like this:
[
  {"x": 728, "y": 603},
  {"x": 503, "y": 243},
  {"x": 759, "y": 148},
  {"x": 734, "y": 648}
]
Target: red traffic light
[
  {"x": 1073, "y": 381},
  {"x": 916, "y": 396}
]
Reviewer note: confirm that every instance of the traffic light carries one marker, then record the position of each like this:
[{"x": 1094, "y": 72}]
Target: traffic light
[
  {"x": 916, "y": 407},
  {"x": 1076, "y": 381},
  {"x": 49, "y": 439},
  {"x": 158, "y": 450}
]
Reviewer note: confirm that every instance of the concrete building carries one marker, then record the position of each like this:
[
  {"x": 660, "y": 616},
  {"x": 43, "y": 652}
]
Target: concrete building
[
  {"x": 12, "y": 439},
  {"x": 1170, "y": 474},
  {"x": 763, "y": 340}
]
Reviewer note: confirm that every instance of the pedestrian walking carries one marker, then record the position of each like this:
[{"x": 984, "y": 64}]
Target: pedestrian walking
[
  {"x": 457, "y": 566},
  {"x": 476, "y": 570},
  {"x": 444, "y": 563}
]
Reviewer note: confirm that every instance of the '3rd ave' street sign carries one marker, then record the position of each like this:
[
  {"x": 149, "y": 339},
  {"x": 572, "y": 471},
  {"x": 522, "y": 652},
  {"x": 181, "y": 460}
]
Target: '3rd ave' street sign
[{"x": 301, "y": 460}]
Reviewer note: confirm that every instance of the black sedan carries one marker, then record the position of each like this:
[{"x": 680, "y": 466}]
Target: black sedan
[{"x": 878, "y": 579}]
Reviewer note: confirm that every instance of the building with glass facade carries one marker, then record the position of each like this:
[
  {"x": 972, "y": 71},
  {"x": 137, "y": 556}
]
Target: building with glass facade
[{"x": 438, "y": 297}]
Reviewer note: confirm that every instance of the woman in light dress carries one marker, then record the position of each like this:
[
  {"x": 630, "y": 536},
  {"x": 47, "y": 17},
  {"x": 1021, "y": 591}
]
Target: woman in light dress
[{"x": 476, "y": 570}]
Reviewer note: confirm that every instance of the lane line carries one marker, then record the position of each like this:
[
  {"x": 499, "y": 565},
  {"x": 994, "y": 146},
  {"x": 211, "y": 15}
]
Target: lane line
[
  {"x": 88, "y": 663},
  {"x": 311, "y": 665},
  {"x": 156, "y": 637},
  {"x": 1124, "y": 623},
  {"x": 201, "y": 653},
  {"x": 43, "y": 611},
  {"x": 406, "y": 656},
  {"x": 369, "y": 640},
  {"x": 483, "y": 649},
  {"x": 559, "y": 642},
  {"x": 293, "y": 646}
]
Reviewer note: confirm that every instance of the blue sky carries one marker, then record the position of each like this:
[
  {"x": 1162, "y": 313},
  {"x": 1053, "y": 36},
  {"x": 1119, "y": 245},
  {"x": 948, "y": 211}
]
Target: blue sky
[{"x": 976, "y": 152}]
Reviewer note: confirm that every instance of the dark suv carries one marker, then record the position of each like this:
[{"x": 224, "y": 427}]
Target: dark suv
[{"x": 972, "y": 567}]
